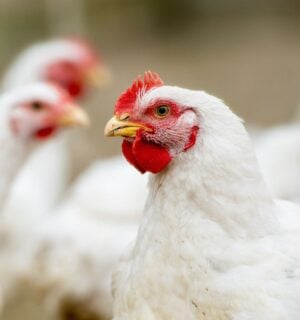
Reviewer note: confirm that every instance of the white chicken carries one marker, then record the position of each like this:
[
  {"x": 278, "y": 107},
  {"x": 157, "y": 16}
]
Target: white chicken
[
  {"x": 278, "y": 152},
  {"x": 29, "y": 114},
  {"x": 212, "y": 243},
  {"x": 71, "y": 64}
]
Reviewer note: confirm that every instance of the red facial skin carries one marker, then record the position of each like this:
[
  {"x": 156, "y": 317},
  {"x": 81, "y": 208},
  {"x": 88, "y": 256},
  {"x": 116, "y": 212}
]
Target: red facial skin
[
  {"x": 72, "y": 76},
  {"x": 151, "y": 151},
  {"x": 50, "y": 126},
  {"x": 45, "y": 133},
  {"x": 52, "y": 113}
]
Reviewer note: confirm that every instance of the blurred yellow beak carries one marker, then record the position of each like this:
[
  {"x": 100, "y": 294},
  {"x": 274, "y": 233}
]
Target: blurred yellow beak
[
  {"x": 73, "y": 116},
  {"x": 98, "y": 76},
  {"x": 122, "y": 128}
]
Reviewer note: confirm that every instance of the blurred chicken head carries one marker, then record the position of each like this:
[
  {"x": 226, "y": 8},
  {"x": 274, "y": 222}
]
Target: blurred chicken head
[
  {"x": 39, "y": 110},
  {"x": 78, "y": 70}
]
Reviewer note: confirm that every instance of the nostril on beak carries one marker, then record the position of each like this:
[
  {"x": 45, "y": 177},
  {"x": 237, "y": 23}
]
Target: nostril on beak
[{"x": 124, "y": 116}]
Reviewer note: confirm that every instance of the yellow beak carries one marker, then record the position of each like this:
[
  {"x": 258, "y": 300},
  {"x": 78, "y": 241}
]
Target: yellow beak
[
  {"x": 73, "y": 116},
  {"x": 98, "y": 76},
  {"x": 122, "y": 128}
]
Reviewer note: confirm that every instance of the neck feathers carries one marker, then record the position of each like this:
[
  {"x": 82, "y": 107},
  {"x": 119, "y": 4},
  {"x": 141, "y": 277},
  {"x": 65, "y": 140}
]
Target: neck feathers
[
  {"x": 13, "y": 153},
  {"x": 219, "y": 180}
]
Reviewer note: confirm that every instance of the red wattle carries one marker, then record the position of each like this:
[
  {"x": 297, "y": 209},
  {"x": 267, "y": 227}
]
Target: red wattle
[
  {"x": 146, "y": 156},
  {"x": 127, "y": 149},
  {"x": 75, "y": 89},
  {"x": 44, "y": 133}
]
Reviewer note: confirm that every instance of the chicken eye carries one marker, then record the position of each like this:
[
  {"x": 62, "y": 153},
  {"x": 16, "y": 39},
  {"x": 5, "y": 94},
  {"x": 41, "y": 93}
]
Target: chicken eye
[
  {"x": 36, "y": 105},
  {"x": 162, "y": 111}
]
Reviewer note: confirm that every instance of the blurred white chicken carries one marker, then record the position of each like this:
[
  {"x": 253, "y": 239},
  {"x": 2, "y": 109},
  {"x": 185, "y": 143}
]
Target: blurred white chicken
[
  {"x": 66, "y": 263},
  {"x": 278, "y": 152},
  {"x": 72, "y": 260},
  {"x": 73, "y": 65},
  {"x": 28, "y": 114},
  {"x": 96, "y": 189}
]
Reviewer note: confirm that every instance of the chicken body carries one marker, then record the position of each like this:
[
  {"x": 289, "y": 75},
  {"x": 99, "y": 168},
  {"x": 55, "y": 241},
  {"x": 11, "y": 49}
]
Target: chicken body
[
  {"x": 72, "y": 257},
  {"x": 72, "y": 251}
]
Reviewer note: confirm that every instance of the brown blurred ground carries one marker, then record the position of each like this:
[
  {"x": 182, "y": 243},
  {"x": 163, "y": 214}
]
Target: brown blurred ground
[{"x": 247, "y": 52}]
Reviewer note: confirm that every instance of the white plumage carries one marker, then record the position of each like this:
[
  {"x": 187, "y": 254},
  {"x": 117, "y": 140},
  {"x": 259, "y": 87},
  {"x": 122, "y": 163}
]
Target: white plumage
[
  {"x": 71, "y": 252},
  {"x": 14, "y": 149},
  {"x": 278, "y": 152},
  {"x": 72, "y": 259},
  {"x": 212, "y": 243},
  {"x": 104, "y": 183}
]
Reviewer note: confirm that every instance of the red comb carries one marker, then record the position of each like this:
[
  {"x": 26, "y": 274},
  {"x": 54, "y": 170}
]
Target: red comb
[{"x": 127, "y": 99}]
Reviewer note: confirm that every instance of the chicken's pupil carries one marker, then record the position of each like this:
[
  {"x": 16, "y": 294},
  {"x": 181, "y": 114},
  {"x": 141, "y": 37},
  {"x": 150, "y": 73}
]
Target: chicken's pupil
[
  {"x": 162, "y": 110},
  {"x": 36, "y": 105}
]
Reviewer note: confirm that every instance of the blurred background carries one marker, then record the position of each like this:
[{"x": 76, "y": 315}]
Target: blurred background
[{"x": 244, "y": 51}]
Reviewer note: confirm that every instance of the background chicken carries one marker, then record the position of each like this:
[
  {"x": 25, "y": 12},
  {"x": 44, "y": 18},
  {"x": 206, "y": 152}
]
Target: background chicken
[
  {"x": 73, "y": 65},
  {"x": 212, "y": 242},
  {"x": 28, "y": 114}
]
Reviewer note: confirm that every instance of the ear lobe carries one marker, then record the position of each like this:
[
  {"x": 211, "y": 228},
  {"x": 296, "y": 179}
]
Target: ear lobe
[{"x": 192, "y": 138}]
